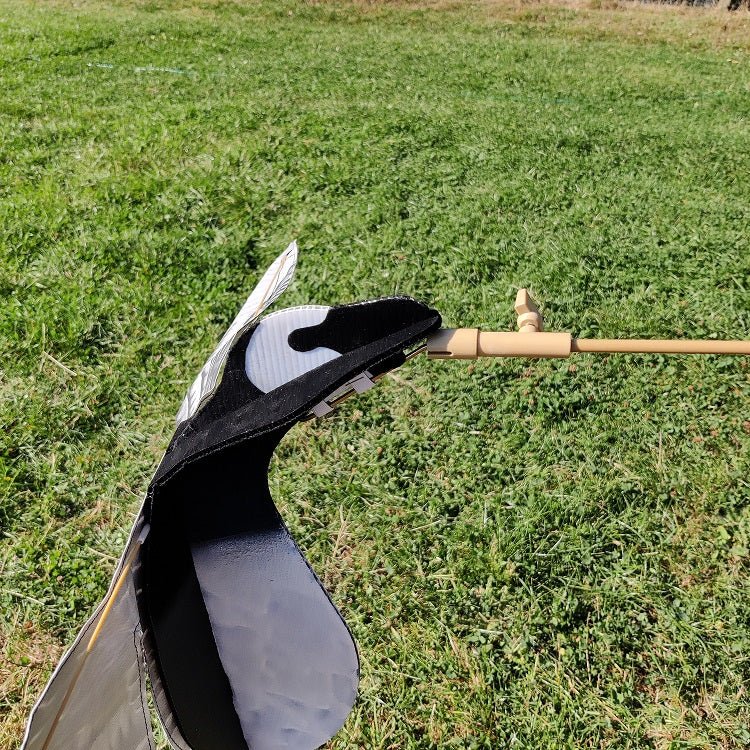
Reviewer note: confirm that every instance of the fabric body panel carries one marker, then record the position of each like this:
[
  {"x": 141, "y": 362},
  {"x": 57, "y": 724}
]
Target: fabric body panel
[{"x": 290, "y": 658}]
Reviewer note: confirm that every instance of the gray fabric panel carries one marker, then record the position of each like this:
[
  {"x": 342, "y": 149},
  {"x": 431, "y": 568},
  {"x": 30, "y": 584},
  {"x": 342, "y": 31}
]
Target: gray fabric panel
[
  {"x": 290, "y": 658},
  {"x": 105, "y": 710}
]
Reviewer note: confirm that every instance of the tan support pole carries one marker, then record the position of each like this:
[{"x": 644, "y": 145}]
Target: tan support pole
[
  {"x": 530, "y": 341},
  {"x": 661, "y": 346},
  {"x": 471, "y": 343}
]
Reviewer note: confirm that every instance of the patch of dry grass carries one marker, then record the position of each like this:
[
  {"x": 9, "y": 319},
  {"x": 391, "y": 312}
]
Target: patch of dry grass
[
  {"x": 618, "y": 20},
  {"x": 27, "y": 655}
]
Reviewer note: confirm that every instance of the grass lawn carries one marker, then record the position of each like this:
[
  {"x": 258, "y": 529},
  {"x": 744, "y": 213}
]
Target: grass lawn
[{"x": 549, "y": 554}]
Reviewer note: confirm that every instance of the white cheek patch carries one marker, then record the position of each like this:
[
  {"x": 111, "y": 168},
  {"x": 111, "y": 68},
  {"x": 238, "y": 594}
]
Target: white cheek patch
[{"x": 270, "y": 361}]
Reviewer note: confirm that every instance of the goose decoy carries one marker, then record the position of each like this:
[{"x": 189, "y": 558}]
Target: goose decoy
[{"x": 212, "y": 603}]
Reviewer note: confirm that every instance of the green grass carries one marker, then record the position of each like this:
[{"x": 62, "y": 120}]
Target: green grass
[{"x": 530, "y": 554}]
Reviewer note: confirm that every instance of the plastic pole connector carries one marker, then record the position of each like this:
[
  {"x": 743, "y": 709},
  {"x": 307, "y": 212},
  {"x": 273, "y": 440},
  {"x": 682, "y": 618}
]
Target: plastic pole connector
[
  {"x": 470, "y": 343},
  {"x": 453, "y": 343}
]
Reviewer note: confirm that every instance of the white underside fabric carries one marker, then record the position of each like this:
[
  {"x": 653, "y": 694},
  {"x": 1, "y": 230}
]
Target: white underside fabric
[
  {"x": 275, "y": 280},
  {"x": 107, "y": 707},
  {"x": 290, "y": 659}
]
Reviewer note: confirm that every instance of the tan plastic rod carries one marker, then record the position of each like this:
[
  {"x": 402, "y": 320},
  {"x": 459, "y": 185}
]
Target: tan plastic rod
[
  {"x": 661, "y": 346},
  {"x": 470, "y": 343}
]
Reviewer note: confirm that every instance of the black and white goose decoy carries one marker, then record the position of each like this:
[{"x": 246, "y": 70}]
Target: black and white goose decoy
[{"x": 213, "y": 602}]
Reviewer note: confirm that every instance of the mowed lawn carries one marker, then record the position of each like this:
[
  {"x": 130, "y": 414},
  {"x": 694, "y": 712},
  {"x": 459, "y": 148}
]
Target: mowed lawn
[{"x": 530, "y": 554}]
